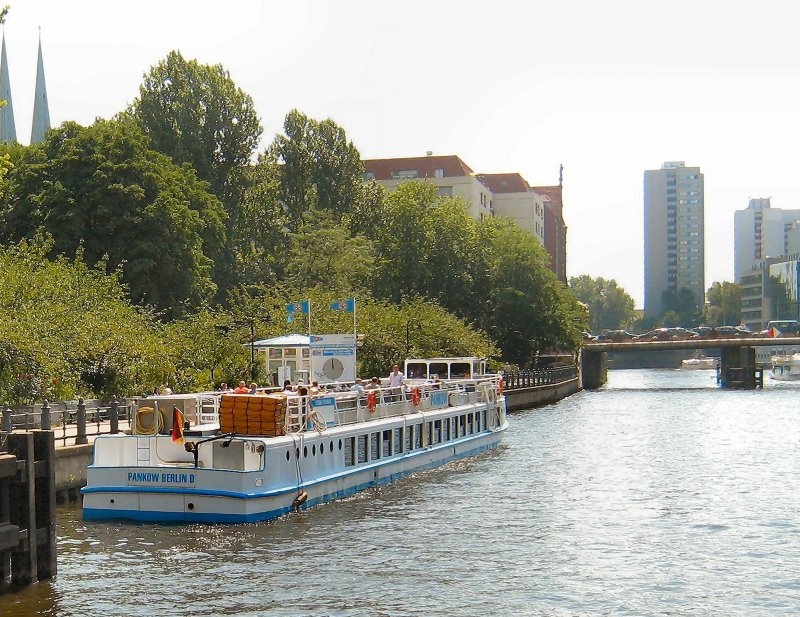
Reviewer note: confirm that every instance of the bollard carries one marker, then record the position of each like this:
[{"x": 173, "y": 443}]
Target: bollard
[
  {"x": 80, "y": 438},
  {"x": 113, "y": 415},
  {"x": 6, "y": 425},
  {"x": 45, "y": 423}
]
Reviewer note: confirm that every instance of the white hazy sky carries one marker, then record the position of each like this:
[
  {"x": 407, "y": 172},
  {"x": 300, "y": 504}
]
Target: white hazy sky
[{"x": 609, "y": 89}]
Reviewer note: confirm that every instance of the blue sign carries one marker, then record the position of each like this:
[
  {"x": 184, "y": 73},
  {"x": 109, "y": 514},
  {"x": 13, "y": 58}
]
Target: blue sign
[
  {"x": 337, "y": 352},
  {"x": 439, "y": 398},
  {"x": 323, "y": 402}
]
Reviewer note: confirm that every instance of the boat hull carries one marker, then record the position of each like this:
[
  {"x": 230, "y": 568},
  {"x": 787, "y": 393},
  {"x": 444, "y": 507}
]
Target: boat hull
[{"x": 110, "y": 499}]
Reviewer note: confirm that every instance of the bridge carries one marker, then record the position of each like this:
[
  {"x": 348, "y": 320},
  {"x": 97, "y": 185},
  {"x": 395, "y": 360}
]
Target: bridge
[{"x": 738, "y": 368}]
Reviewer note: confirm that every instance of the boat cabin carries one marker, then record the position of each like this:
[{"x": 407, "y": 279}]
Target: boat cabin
[{"x": 445, "y": 368}]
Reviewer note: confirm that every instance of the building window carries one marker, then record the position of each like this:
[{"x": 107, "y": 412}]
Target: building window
[
  {"x": 445, "y": 191},
  {"x": 369, "y": 175},
  {"x": 405, "y": 174},
  {"x": 438, "y": 173}
]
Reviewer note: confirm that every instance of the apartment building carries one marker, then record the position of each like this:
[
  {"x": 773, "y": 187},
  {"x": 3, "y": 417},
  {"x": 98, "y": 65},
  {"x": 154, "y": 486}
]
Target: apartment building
[{"x": 674, "y": 247}]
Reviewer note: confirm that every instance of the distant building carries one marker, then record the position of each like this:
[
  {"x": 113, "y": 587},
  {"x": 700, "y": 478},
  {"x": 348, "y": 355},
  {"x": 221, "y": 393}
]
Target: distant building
[
  {"x": 451, "y": 175},
  {"x": 760, "y": 231},
  {"x": 513, "y": 198},
  {"x": 674, "y": 252},
  {"x": 41, "y": 108},
  {"x": 536, "y": 209}
]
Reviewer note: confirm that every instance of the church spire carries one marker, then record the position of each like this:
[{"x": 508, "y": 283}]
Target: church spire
[
  {"x": 41, "y": 111},
  {"x": 8, "y": 131}
]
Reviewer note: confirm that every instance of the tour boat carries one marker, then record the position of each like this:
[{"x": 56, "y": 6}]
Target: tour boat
[
  {"x": 785, "y": 367},
  {"x": 271, "y": 454}
]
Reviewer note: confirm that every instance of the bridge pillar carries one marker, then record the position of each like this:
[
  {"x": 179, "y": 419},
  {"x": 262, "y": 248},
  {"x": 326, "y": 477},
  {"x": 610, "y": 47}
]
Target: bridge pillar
[
  {"x": 594, "y": 369},
  {"x": 737, "y": 368}
]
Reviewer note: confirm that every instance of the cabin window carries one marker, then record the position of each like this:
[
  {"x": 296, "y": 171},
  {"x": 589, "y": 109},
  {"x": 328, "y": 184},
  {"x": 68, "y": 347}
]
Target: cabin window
[
  {"x": 416, "y": 370},
  {"x": 349, "y": 451},
  {"x": 398, "y": 441},
  {"x": 409, "y": 438},
  {"x": 460, "y": 370},
  {"x": 314, "y": 450},
  {"x": 340, "y": 445},
  {"x": 374, "y": 447},
  {"x": 362, "y": 448},
  {"x": 330, "y": 447},
  {"x": 439, "y": 369},
  {"x": 446, "y": 432},
  {"x": 462, "y": 426},
  {"x": 288, "y": 455},
  {"x": 387, "y": 443},
  {"x": 417, "y": 436},
  {"x": 437, "y": 431},
  {"x": 305, "y": 451},
  {"x": 470, "y": 424}
]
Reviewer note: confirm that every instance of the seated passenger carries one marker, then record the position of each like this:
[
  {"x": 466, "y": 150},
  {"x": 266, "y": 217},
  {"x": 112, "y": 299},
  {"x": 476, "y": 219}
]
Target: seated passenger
[
  {"x": 357, "y": 387},
  {"x": 242, "y": 388},
  {"x": 373, "y": 384}
]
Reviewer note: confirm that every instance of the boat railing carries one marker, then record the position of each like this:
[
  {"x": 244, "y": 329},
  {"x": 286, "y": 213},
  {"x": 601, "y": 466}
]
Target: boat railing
[{"x": 327, "y": 409}]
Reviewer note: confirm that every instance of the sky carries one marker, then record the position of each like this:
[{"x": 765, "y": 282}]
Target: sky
[{"x": 608, "y": 89}]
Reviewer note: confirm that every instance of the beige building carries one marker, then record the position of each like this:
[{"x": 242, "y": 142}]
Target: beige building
[
  {"x": 514, "y": 198},
  {"x": 450, "y": 174}
]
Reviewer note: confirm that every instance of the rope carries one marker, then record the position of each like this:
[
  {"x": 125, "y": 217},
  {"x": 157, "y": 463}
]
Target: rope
[{"x": 157, "y": 421}]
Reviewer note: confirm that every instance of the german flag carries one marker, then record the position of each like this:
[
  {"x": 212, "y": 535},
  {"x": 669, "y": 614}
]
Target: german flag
[{"x": 177, "y": 425}]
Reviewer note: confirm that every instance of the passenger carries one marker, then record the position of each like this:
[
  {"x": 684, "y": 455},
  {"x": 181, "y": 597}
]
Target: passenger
[
  {"x": 396, "y": 381},
  {"x": 357, "y": 387},
  {"x": 253, "y": 388},
  {"x": 166, "y": 390},
  {"x": 287, "y": 385},
  {"x": 223, "y": 387},
  {"x": 242, "y": 388},
  {"x": 314, "y": 389},
  {"x": 373, "y": 384}
]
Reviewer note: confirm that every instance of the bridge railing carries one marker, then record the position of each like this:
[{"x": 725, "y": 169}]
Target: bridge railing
[{"x": 539, "y": 377}]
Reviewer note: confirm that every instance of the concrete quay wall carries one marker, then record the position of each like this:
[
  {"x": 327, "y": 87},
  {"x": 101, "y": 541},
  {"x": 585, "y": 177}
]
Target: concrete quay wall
[{"x": 536, "y": 396}]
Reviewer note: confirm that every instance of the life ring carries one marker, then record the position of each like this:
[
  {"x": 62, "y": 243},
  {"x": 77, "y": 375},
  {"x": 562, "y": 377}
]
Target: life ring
[
  {"x": 415, "y": 396},
  {"x": 372, "y": 401},
  {"x": 500, "y": 384}
]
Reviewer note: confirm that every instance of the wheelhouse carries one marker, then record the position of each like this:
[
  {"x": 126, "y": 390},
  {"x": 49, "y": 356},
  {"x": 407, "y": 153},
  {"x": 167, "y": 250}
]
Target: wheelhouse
[{"x": 445, "y": 368}]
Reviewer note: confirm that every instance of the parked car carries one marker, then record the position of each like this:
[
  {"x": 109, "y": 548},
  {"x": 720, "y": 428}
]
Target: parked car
[
  {"x": 616, "y": 336},
  {"x": 659, "y": 334},
  {"x": 733, "y": 332},
  {"x": 706, "y": 332}
]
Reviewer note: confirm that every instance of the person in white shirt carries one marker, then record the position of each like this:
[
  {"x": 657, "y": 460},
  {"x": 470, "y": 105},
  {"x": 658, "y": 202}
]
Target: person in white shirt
[
  {"x": 396, "y": 379},
  {"x": 357, "y": 387}
]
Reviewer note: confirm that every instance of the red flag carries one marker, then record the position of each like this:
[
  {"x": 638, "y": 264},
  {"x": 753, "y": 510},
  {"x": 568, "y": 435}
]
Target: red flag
[{"x": 177, "y": 425}]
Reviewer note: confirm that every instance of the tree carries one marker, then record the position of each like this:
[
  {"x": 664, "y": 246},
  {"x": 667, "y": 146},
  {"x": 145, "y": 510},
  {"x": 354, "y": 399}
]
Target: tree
[
  {"x": 724, "y": 304},
  {"x": 100, "y": 191},
  {"x": 319, "y": 167},
  {"x": 610, "y": 306},
  {"x": 684, "y": 304},
  {"x": 196, "y": 114},
  {"x": 67, "y": 329}
]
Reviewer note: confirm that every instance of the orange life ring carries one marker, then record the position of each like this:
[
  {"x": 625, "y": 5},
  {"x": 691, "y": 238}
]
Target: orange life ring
[
  {"x": 372, "y": 401},
  {"x": 500, "y": 384},
  {"x": 415, "y": 396}
]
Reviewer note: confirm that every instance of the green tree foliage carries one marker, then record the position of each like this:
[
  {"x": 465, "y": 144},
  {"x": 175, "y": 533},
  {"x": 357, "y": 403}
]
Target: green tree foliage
[
  {"x": 196, "y": 114},
  {"x": 610, "y": 306},
  {"x": 206, "y": 349},
  {"x": 683, "y": 303},
  {"x": 724, "y": 304},
  {"x": 319, "y": 168},
  {"x": 102, "y": 189},
  {"x": 67, "y": 329}
]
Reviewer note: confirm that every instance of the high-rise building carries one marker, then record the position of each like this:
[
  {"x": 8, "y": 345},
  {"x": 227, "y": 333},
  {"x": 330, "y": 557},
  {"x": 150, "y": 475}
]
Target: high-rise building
[
  {"x": 760, "y": 231},
  {"x": 674, "y": 254}
]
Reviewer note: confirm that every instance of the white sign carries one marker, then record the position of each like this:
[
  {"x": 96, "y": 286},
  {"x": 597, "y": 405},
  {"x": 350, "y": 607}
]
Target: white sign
[{"x": 333, "y": 357}]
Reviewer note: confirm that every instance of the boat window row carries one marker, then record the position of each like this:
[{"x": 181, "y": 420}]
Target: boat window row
[
  {"x": 313, "y": 450},
  {"x": 382, "y": 444}
]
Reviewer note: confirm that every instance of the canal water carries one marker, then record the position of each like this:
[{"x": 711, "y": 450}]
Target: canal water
[{"x": 659, "y": 494}]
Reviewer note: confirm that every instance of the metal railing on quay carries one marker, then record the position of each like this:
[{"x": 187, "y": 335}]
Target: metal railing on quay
[
  {"x": 73, "y": 422},
  {"x": 539, "y": 377}
]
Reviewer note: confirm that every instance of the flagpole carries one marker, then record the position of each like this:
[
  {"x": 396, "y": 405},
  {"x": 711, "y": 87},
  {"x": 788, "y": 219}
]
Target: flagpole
[
  {"x": 309, "y": 320},
  {"x": 355, "y": 337}
]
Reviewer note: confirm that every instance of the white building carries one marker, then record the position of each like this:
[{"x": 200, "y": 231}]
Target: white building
[
  {"x": 760, "y": 232},
  {"x": 674, "y": 246}
]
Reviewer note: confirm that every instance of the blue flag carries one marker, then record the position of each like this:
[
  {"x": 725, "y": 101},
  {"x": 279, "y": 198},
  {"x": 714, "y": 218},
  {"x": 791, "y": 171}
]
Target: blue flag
[
  {"x": 348, "y": 306},
  {"x": 298, "y": 307}
]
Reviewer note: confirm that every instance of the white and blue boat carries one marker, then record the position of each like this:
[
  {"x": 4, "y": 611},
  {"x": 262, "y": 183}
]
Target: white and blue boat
[{"x": 321, "y": 447}]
